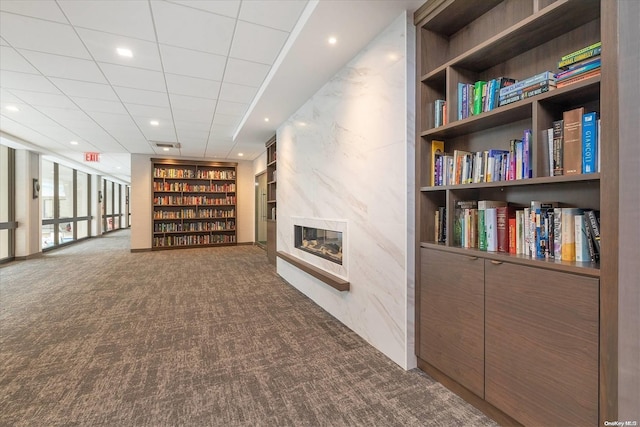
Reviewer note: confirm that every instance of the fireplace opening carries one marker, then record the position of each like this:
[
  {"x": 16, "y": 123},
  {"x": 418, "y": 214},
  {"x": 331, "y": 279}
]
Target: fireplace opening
[{"x": 325, "y": 244}]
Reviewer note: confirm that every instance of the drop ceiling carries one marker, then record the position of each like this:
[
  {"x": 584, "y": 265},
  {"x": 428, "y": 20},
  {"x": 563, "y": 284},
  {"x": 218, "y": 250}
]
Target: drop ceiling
[{"x": 203, "y": 77}]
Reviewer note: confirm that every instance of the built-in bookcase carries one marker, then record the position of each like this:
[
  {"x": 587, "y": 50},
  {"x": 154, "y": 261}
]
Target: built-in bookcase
[
  {"x": 462, "y": 41},
  {"x": 194, "y": 204},
  {"x": 272, "y": 187}
]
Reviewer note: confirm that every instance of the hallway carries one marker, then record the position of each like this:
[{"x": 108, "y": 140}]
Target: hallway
[{"x": 95, "y": 335}]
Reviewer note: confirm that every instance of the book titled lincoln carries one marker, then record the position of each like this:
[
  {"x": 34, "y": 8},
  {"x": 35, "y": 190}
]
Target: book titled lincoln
[{"x": 572, "y": 159}]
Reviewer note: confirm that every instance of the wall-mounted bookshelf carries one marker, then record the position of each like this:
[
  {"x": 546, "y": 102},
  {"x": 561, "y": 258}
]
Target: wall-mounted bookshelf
[
  {"x": 272, "y": 186},
  {"x": 194, "y": 204}
]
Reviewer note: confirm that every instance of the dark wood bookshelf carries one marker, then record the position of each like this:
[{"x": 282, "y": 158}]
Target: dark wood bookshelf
[
  {"x": 272, "y": 202},
  {"x": 459, "y": 41}
]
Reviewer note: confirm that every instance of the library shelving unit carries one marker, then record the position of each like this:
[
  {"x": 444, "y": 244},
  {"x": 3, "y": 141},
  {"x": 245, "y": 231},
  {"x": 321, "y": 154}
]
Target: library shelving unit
[
  {"x": 271, "y": 199},
  {"x": 523, "y": 339},
  {"x": 194, "y": 204}
]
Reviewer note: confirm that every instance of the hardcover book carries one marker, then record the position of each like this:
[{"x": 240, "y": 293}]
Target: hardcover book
[
  {"x": 482, "y": 229},
  {"x": 572, "y": 159},
  {"x": 568, "y": 251},
  {"x": 503, "y": 215},
  {"x": 589, "y": 143},
  {"x": 437, "y": 147}
]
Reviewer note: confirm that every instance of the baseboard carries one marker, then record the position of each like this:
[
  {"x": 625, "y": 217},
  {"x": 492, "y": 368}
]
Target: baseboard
[{"x": 141, "y": 250}]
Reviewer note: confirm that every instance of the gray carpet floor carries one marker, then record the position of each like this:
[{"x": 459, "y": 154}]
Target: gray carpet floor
[{"x": 94, "y": 335}]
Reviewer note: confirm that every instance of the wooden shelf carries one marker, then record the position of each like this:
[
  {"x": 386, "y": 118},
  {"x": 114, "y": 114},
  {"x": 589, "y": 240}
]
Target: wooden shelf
[{"x": 328, "y": 278}]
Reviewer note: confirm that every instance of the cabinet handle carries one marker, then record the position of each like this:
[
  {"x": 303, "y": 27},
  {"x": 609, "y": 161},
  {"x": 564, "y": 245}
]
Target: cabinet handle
[
  {"x": 472, "y": 258},
  {"x": 494, "y": 262}
]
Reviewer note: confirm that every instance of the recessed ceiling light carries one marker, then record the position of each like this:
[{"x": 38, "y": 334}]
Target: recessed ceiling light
[
  {"x": 123, "y": 51},
  {"x": 118, "y": 167},
  {"x": 240, "y": 154},
  {"x": 154, "y": 123},
  {"x": 266, "y": 119},
  {"x": 73, "y": 142},
  {"x": 333, "y": 40},
  {"x": 12, "y": 108},
  {"x": 166, "y": 148}
]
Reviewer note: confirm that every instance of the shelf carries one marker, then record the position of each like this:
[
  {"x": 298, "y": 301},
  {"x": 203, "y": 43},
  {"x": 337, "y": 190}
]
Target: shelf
[
  {"x": 517, "y": 183},
  {"x": 583, "y": 268},
  {"x": 328, "y": 278},
  {"x": 453, "y": 17},
  {"x": 577, "y": 92},
  {"x": 272, "y": 163},
  {"x": 193, "y": 179}
]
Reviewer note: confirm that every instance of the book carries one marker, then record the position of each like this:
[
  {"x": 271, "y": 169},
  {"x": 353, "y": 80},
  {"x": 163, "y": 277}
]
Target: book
[
  {"x": 579, "y": 78},
  {"x": 527, "y": 152},
  {"x": 503, "y": 215},
  {"x": 459, "y": 229},
  {"x": 439, "y": 116},
  {"x": 558, "y": 140},
  {"x": 537, "y": 214},
  {"x": 593, "y": 224},
  {"x": 568, "y": 249},
  {"x": 581, "y": 238},
  {"x": 478, "y": 89},
  {"x": 512, "y": 235},
  {"x": 581, "y": 69},
  {"x": 482, "y": 231},
  {"x": 589, "y": 143},
  {"x": 564, "y": 63},
  {"x": 581, "y": 51},
  {"x": 572, "y": 132},
  {"x": 557, "y": 233},
  {"x": 491, "y": 225},
  {"x": 437, "y": 147},
  {"x": 442, "y": 226},
  {"x": 537, "y": 90},
  {"x": 545, "y": 152},
  {"x": 530, "y": 81},
  {"x": 519, "y": 231}
]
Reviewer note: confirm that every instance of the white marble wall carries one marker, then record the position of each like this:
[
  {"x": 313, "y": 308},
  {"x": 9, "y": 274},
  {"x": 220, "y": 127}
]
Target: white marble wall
[{"x": 346, "y": 155}]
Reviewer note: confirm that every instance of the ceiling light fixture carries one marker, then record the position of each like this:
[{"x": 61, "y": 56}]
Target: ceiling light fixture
[
  {"x": 73, "y": 142},
  {"x": 12, "y": 108},
  {"x": 266, "y": 119},
  {"x": 154, "y": 123},
  {"x": 166, "y": 148},
  {"x": 333, "y": 40},
  {"x": 123, "y": 51},
  {"x": 240, "y": 154}
]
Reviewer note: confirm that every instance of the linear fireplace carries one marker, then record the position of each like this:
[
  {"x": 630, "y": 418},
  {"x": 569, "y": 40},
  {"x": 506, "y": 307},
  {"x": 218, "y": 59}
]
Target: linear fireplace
[{"x": 323, "y": 243}]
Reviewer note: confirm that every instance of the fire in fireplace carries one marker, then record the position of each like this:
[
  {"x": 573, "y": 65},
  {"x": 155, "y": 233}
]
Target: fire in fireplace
[{"x": 325, "y": 244}]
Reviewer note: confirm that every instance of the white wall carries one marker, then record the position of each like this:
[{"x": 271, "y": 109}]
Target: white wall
[
  {"x": 28, "y": 209},
  {"x": 345, "y": 155},
  {"x": 141, "y": 201}
]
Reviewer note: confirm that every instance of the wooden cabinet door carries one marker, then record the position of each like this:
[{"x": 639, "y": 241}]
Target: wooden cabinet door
[
  {"x": 541, "y": 345},
  {"x": 452, "y": 316}
]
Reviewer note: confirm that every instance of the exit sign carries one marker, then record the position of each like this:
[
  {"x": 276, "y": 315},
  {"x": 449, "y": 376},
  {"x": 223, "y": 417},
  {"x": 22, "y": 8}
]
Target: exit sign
[{"x": 91, "y": 157}]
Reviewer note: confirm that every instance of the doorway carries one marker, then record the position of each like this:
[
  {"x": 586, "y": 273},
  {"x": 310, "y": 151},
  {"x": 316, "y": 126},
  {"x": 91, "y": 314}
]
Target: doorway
[{"x": 261, "y": 210}]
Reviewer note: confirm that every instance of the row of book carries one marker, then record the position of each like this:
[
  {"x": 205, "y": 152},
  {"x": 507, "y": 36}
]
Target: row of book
[
  {"x": 193, "y": 200},
  {"x": 440, "y": 108},
  {"x": 579, "y": 65},
  {"x": 166, "y": 186},
  {"x": 194, "y": 214},
  {"x": 174, "y": 227},
  {"x": 193, "y": 240},
  {"x": 572, "y": 145},
  {"x": 542, "y": 230},
  {"x": 466, "y": 167},
  {"x": 193, "y": 174}
]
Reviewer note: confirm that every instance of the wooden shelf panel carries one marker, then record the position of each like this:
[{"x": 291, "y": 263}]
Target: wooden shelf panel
[
  {"x": 568, "y": 179},
  {"x": 328, "y": 278}
]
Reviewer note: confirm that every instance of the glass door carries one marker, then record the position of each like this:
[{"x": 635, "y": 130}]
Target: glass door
[{"x": 261, "y": 209}]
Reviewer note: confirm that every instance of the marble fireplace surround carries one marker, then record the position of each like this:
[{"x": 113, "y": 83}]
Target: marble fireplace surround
[{"x": 341, "y": 271}]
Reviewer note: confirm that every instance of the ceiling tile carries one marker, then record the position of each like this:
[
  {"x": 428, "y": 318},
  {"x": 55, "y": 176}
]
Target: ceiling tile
[
  {"x": 245, "y": 72},
  {"x": 186, "y": 27},
  {"x": 124, "y": 17},
  {"x": 190, "y": 115},
  {"x": 142, "y": 97},
  {"x": 192, "y": 63},
  {"x": 13, "y": 80},
  {"x": 42, "y": 36},
  {"x": 85, "y": 89},
  {"x": 41, "y": 99},
  {"x": 237, "y": 93},
  {"x": 48, "y": 10},
  {"x": 7, "y": 97},
  {"x": 227, "y": 8},
  {"x": 190, "y": 103},
  {"x": 257, "y": 43},
  {"x": 99, "y": 105},
  {"x": 191, "y": 86},
  {"x": 59, "y": 114},
  {"x": 65, "y": 67},
  {"x": 232, "y": 108},
  {"x": 136, "y": 78},
  {"x": 149, "y": 112},
  {"x": 193, "y": 136},
  {"x": 113, "y": 121},
  {"x": 225, "y": 119},
  {"x": 191, "y": 125},
  {"x": 103, "y": 49},
  {"x": 13, "y": 61},
  {"x": 280, "y": 14},
  {"x": 3, "y": 42}
]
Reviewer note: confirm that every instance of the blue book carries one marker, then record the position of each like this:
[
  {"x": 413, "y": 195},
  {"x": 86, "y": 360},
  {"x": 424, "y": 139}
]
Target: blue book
[
  {"x": 460, "y": 101},
  {"x": 589, "y": 143}
]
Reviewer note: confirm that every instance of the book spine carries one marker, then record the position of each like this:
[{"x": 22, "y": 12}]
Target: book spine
[
  {"x": 568, "y": 234},
  {"x": 589, "y": 143},
  {"x": 578, "y": 78},
  {"x": 491, "y": 224},
  {"x": 546, "y": 75},
  {"x": 526, "y": 244},
  {"x": 557, "y": 233},
  {"x": 512, "y": 235},
  {"x": 563, "y": 63},
  {"x": 572, "y": 159},
  {"x": 558, "y": 149},
  {"x": 519, "y": 231},
  {"x": 526, "y": 154},
  {"x": 542, "y": 88},
  {"x": 581, "y": 51},
  {"x": 594, "y": 228},
  {"x": 460, "y": 92},
  {"x": 477, "y": 96},
  {"x": 437, "y": 147},
  {"x": 582, "y": 245},
  {"x": 578, "y": 70}
]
